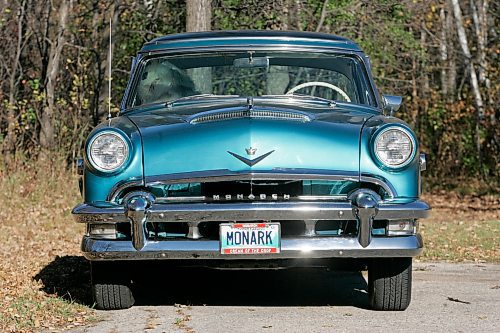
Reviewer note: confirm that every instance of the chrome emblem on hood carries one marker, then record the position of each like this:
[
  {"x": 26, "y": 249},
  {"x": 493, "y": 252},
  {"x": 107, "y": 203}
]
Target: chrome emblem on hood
[
  {"x": 251, "y": 162},
  {"x": 251, "y": 151}
]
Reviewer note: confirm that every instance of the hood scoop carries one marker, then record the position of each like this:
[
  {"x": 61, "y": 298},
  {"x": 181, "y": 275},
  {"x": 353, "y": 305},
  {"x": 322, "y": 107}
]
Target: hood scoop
[{"x": 250, "y": 113}]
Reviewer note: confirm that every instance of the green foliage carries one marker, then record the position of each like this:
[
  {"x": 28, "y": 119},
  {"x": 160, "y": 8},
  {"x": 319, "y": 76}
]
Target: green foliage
[{"x": 238, "y": 14}]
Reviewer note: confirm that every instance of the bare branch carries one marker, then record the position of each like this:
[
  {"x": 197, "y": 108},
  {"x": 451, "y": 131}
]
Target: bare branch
[{"x": 323, "y": 16}]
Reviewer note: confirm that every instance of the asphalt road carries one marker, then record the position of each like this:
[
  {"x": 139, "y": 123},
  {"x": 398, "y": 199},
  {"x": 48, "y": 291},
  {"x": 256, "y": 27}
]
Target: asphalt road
[{"x": 446, "y": 298}]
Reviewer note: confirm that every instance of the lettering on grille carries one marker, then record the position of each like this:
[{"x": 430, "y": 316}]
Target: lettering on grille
[{"x": 231, "y": 197}]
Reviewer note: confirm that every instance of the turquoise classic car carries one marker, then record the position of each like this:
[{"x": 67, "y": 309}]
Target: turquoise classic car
[{"x": 252, "y": 149}]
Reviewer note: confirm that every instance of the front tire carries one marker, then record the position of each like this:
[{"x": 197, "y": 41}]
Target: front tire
[
  {"x": 110, "y": 287},
  {"x": 389, "y": 284}
]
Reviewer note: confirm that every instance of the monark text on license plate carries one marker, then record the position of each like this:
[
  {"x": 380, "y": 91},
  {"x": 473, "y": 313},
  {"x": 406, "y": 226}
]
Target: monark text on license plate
[{"x": 246, "y": 237}]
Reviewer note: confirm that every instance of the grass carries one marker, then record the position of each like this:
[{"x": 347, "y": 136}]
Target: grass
[
  {"x": 458, "y": 241},
  {"x": 462, "y": 229},
  {"x": 44, "y": 280},
  {"x": 28, "y": 312}
]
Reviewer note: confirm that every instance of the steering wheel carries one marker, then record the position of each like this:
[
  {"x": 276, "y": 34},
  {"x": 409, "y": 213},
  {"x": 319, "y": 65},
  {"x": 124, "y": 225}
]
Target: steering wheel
[{"x": 321, "y": 84}]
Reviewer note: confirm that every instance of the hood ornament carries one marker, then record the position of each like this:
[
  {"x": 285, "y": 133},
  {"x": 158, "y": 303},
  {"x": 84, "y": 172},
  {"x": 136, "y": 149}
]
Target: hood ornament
[
  {"x": 251, "y": 151},
  {"x": 250, "y": 103},
  {"x": 250, "y": 162}
]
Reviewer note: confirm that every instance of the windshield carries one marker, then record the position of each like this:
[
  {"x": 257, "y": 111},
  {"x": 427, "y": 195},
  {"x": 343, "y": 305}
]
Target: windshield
[{"x": 330, "y": 76}]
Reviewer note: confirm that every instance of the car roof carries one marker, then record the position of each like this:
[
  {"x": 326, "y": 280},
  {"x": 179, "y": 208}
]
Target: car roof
[{"x": 261, "y": 38}]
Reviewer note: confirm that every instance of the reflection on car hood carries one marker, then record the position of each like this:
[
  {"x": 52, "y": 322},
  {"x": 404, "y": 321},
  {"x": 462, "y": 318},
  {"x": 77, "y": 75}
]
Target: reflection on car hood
[{"x": 177, "y": 143}]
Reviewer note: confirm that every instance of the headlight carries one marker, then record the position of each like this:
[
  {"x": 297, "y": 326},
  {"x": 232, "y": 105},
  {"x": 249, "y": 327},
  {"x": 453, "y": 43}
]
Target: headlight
[
  {"x": 394, "y": 147},
  {"x": 107, "y": 151}
]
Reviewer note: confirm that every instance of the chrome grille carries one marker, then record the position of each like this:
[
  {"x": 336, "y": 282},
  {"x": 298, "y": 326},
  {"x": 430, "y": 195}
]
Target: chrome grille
[
  {"x": 261, "y": 114},
  {"x": 259, "y": 191},
  {"x": 187, "y": 183}
]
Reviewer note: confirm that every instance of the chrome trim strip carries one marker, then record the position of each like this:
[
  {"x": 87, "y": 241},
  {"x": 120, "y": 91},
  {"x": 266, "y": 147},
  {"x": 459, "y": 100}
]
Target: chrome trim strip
[
  {"x": 321, "y": 197},
  {"x": 391, "y": 191},
  {"x": 222, "y": 175},
  {"x": 250, "y": 211},
  {"x": 87, "y": 213},
  {"x": 304, "y": 247},
  {"x": 289, "y": 39},
  {"x": 203, "y": 198},
  {"x": 120, "y": 186},
  {"x": 213, "y": 116},
  {"x": 411, "y": 210},
  {"x": 180, "y": 199},
  {"x": 273, "y": 47}
]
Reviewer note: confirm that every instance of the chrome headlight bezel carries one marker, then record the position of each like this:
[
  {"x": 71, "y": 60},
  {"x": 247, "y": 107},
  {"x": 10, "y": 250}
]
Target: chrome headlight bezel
[
  {"x": 380, "y": 160},
  {"x": 127, "y": 151}
]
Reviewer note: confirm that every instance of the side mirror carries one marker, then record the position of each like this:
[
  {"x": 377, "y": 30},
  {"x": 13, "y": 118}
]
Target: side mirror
[{"x": 392, "y": 103}]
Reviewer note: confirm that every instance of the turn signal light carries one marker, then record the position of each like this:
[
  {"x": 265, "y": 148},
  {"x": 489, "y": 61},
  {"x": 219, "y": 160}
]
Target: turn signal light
[
  {"x": 102, "y": 231},
  {"x": 401, "y": 228}
]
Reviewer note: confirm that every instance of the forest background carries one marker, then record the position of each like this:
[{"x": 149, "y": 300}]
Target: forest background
[{"x": 441, "y": 55}]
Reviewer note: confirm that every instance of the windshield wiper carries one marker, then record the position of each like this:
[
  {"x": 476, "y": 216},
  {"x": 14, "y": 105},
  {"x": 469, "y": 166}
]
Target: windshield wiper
[
  {"x": 171, "y": 103},
  {"x": 331, "y": 103}
]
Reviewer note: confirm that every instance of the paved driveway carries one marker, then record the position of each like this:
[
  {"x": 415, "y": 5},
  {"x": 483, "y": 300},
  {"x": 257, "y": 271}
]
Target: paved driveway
[{"x": 446, "y": 298}]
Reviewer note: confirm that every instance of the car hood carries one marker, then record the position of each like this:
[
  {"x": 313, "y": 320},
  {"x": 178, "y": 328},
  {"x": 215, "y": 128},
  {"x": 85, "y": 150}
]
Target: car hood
[{"x": 176, "y": 143}]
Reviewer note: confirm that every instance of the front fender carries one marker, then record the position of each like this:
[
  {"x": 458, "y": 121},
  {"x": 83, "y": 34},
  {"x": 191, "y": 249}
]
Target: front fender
[
  {"x": 97, "y": 185},
  {"x": 406, "y": 181}
]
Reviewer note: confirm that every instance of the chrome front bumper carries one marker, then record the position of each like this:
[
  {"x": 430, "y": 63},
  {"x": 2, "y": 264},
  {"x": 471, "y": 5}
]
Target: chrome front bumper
[
  {"x": 312, "y": 247},
  {"x": 365, "y": 207}
]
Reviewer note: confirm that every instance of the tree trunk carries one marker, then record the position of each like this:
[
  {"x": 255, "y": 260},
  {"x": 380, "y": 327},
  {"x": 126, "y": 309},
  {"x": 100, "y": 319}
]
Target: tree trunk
[
  {"x": 47, "y": 131},
  {"x": 324, "y": 12},
  {"x": 452, "y": 65},
  {"x": 294, "y": 7},
  {"x": 462, "y": 37},
  {"x": 443, "y": 51},
  {"x": 199, "y": 18},
  {"x": 479, "y": 16},
  {"x": 422, "y": 93},
  {"x": 10, "y": 139},
  {"x": 198, "y": 15}
]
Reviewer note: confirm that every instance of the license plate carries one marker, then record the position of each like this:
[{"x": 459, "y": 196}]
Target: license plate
[{"x": 249, "y": 238}]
